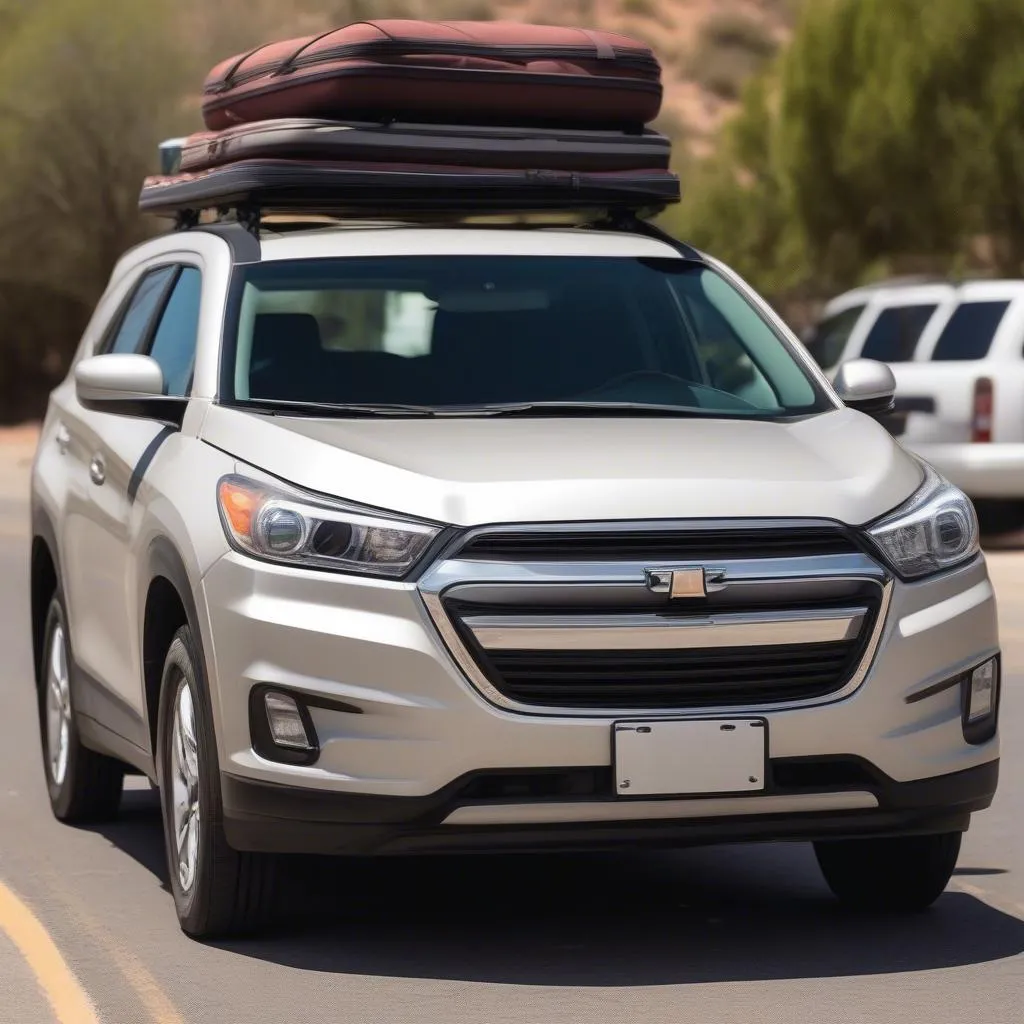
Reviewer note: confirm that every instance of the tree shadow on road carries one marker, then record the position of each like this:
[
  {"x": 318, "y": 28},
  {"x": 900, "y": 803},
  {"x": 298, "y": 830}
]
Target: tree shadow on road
[{"x": 717, "y": 914}]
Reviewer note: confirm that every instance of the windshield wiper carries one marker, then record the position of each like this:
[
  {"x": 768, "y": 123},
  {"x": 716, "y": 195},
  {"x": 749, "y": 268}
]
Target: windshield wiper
[
  {"x": 282, "y": 407},
  {"x": 585, "y": 409},
  {"x": 285, "y": 407}
]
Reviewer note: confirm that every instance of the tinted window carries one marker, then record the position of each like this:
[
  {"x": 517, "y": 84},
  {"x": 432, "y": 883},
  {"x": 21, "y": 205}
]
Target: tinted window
[
  {"x": 895, "y": 333},
  {"x": 453, "y": 331},
  {"x": 174, "y": 344},
  {"x": 970, "y": 331},
  {"x": 145, "y": 301},
  {"x": 829, "y": 339}
]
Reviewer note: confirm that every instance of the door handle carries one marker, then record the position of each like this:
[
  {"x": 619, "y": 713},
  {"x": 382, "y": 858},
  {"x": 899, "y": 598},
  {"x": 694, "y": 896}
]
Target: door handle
[
  {"x": 63, "y": 439},
  {"x": 97, "y": 470}
]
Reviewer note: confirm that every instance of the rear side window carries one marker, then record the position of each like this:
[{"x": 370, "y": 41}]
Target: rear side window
[
  {"x": 896, "y": 332},
  {"x": 970, "y": 331},
  {"x": 133, "y": 325},
  {"x": 174, "y": 343},
  {"x": 829, "y": 338}
]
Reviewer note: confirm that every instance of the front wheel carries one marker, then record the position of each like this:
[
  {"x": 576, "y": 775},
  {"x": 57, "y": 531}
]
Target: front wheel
[
  {"x": 900, "y": 874},
  {"x": 217, "y": 890}
]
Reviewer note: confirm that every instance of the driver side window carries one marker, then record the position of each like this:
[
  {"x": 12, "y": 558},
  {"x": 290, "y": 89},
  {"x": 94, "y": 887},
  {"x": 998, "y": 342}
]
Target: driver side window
[{"x": 130, "y": 327}]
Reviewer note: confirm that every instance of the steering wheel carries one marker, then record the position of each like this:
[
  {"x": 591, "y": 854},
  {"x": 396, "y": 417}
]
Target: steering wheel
[{"x": 656, "y": 377}]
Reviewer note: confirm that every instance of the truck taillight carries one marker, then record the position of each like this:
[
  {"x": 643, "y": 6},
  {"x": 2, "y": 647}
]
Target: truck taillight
[{"x": 981, "y": 419}]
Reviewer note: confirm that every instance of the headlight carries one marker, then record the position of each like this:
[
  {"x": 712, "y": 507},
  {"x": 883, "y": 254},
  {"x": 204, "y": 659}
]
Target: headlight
[
  {"x": 284, "y": 526},
  {"x": 935, "y": 530}
]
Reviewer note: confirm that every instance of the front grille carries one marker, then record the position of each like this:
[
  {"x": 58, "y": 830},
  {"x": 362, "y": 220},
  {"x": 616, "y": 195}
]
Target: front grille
[
  {"x": 565, "y": 618},
  {"x": 667, "y": 545},
  {"x": 676, "y": 679}
]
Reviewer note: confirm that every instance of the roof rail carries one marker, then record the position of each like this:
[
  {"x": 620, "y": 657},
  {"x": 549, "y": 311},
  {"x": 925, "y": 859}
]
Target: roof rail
[{"x": 256, "y": 222}]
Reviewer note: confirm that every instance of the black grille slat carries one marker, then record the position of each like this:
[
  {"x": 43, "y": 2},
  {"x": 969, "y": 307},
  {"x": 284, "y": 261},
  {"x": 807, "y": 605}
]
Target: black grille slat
[
  {"x": 546, "y": 689},
  {"x": 715, "y": 659},
  {"x": 675, "y": 545},
  {"x": 676, "y": 678}
]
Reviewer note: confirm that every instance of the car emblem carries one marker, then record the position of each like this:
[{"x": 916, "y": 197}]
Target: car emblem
[{"x": 685, "y": 583}]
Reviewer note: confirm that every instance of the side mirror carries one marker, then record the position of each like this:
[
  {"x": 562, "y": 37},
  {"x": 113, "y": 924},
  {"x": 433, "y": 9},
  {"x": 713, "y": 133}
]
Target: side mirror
[
  {"x": 867, "y": 386},
  {"x": 127, "y": 385}
]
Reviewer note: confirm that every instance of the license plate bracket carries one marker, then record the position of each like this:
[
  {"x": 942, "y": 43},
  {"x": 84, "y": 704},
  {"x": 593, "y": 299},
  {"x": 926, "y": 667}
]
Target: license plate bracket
[{"x": 690, "y": 757}]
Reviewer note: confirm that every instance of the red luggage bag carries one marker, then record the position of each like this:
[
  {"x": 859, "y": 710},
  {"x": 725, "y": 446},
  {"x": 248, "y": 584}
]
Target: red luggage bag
[{"x": 445, "y": 72}]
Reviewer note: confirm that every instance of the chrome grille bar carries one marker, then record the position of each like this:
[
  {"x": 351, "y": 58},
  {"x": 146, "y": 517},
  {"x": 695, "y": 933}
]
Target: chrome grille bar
[{"x": 664, "y": 633}]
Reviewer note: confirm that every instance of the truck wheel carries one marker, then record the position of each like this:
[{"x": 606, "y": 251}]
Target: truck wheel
[
  {"x": 83, "y": 786},
  {"x": 899, "y": 874},
  {"x": 217, "y": 890}
]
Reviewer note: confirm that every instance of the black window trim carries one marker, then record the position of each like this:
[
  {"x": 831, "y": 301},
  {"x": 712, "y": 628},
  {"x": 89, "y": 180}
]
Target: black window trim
[
  {"x": 117, "y": 321},
  {"x": 148, "y": 339},
  {"x": 145, "y": 346}
]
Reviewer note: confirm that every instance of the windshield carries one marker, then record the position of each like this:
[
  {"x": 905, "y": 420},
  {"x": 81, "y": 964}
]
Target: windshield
[{"x": 467, "y": 334}]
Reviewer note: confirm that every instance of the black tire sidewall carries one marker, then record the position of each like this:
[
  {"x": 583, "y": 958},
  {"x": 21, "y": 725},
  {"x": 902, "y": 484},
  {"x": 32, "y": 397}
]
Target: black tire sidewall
[
  {"x": 899, "y": 874},
  {"x": 183, "y": 666}
]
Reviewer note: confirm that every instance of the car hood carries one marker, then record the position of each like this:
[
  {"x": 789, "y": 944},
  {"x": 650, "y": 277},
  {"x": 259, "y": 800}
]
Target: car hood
[{"x": 840, "y": 465}]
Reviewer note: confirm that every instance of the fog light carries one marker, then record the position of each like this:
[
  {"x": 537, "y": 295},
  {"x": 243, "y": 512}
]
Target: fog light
[
  {"x": 981, "y": 700},
  {"x": 287, "y": 728}
]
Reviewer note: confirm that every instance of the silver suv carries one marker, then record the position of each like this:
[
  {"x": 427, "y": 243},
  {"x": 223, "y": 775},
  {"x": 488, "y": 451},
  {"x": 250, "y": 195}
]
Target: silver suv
[{"x": 400, "y": 539}]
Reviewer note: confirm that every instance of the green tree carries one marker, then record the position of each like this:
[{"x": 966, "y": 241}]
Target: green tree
[
  {"x": 87, "y": 89},
  {"x": 890, "y": 134},
  {"x": 734, "y": 203}
]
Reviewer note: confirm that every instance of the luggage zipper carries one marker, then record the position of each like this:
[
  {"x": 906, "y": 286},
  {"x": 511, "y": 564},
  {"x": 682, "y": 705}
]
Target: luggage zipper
[{"x": 386, "y": 47}]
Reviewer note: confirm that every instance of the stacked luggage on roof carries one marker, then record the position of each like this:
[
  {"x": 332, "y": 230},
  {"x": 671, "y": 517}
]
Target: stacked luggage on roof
[{"x": 413, "y": 115}]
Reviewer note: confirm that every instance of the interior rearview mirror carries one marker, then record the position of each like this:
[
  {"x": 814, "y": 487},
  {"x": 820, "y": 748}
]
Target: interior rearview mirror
[
  {"x": 867, "y": 386},
  {"x": 128, "y": 385}
]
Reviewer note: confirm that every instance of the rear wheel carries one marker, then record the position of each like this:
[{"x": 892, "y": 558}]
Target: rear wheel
[
  {"x": 901, "y": 874},
  {"x": 217, "y": 890},
  {"x": 83, "y": 786}
]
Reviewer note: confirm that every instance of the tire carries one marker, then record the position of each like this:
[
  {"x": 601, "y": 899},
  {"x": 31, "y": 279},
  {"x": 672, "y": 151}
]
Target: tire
[
  {"x": 997, "y": 517},
  {"x": 900, "y": 874},
  {"x": 84, "y": 786},
  {"x": 217, "y": 891}
]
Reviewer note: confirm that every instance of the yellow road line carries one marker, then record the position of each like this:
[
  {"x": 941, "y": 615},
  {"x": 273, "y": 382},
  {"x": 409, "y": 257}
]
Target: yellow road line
[
  {"x": 159, "y": 1007},
  {"x": 156, "y": 1002},
  {"x": 70, "y": 1003}
]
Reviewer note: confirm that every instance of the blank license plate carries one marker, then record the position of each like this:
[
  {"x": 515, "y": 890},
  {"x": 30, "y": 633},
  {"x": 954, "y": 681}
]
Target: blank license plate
[{"x": 690, "y": 758}]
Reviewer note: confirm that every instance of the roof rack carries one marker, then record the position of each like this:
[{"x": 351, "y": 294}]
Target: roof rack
[
  {"x": 252, "y": 190},
  {"x": 245, "y": 236},
  {"x": 258, "y": 221},
  {"x": 272, "y": 195}
]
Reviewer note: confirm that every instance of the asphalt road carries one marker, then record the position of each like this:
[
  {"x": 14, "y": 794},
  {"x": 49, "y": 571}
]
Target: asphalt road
[{"x": 87, "y": 931}]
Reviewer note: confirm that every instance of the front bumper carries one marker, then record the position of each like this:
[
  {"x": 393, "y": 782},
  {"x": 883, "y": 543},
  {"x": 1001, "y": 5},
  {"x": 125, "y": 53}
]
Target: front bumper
[
  {"x": 266, "y": 817},
  {"x": 981, "y": 470},
  {"x": 398, "y": 775}
]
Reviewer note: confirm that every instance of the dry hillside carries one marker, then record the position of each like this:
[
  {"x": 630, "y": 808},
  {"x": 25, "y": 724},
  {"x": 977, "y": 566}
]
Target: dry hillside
[{"x": 707, "y": 47}]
